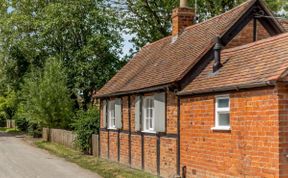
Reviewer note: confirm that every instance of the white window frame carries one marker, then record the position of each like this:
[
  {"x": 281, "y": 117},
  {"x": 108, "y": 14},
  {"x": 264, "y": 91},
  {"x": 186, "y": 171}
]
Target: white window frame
[
  {"x": 111, "y": 115},
  {"x": 144, "y": 108},
  {"x": 221, "y": 110}
]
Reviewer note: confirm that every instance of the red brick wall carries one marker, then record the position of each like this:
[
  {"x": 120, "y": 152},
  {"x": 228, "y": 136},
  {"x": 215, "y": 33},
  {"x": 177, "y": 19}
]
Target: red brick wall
[
  {"x": 113, "y": 146},
  {"x": 171, "y": 113},
  {"x": 283, "y": 132},
  {"x": 167, "y": 149},
  {"x": 125, "y": 111},
  {"x": 136, "y": 151},
  {"x": 150, "y": 154},
  {"x": 255, "y": 146},
  {"x": 250, "y": 149},
  {"x": 103, "y": 144},
  {"x": 246, "y": 35},
  {"x": 124, "y": 148}
]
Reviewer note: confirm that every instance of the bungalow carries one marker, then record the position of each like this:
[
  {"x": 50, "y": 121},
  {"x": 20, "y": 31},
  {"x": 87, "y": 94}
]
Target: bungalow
[{"x": 211, "y": 100}]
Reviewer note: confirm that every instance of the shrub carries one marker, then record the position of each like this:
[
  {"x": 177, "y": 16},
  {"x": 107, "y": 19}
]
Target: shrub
[
  {"x": 35, "y": 130},
  {"x": 22, "y": 124},
  {"x": 86, "y": 124},
  {"x": 2, "y": 122}
]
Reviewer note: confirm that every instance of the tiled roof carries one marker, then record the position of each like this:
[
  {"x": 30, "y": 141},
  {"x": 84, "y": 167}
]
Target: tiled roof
[
  {"x": 260, "y": 62},
  {"x": 164, "y": 62}
]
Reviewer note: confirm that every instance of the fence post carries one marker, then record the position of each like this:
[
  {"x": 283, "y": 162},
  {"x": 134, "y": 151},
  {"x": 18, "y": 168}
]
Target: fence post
[{"x": 95, "y": 145}]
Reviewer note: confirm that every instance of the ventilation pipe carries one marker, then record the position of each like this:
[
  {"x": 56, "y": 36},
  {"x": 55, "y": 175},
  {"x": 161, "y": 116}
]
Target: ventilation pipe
[{"x": 217, "y": 55}]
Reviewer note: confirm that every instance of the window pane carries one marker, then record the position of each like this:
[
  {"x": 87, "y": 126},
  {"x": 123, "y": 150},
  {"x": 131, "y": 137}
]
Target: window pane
[
  {"x": 224, "y": 119},
  {"x": 223, "y": 103},
  {"x": 151, "y": 125},
  {"x": 151, "y": 113},
  {"x": 147, "y": 124}
]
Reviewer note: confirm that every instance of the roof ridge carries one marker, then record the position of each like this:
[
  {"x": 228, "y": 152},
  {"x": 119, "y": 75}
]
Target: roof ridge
[
  {"x": 256, "y": 43},
  {"x": 217, "y": 16}
]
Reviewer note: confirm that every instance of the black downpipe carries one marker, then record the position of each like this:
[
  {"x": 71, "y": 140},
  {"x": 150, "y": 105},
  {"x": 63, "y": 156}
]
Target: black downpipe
[
  {"x": 108, "y": 146},
  {"x": 129, "y": 122},
  {"x": 142, "y": 135},
  {"x": 178, "y": 135},
  {"x": 158, "y": 154}
]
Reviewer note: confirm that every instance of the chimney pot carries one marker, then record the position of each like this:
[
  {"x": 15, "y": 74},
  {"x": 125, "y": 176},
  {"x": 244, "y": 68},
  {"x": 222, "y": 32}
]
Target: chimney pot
[{"x": 183, "y": 3}]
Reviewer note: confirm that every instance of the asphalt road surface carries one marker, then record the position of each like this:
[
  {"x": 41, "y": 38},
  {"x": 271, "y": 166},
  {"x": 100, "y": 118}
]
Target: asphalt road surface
[{"x": 21, "y": 160}]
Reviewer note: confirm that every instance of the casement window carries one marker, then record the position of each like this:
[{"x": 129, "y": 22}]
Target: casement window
[
  {"x": 112, "y": 114},
  {"x": 222, "y": 113},
  {"x": 150, "y": 113}
]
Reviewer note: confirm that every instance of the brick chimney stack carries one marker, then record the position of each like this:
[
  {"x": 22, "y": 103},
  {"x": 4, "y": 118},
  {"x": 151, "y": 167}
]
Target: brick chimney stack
[{"x": 182, "y": 17}]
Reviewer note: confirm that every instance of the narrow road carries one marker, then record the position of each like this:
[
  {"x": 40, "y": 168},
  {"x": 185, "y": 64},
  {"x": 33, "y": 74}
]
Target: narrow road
[{"x": 21, "y": 160}]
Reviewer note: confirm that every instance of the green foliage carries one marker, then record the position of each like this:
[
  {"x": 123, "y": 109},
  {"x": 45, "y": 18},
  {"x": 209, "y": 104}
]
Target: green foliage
[
  {"x": 8, "y": 105},
  {"x": 84, "y": 35},
  {"x": 22, "y": 124},
  {"x": 154, "y": 17},
  {"x": 86, "y": 124},
  {"x": 45, "y": 99},
  {"x": 34, "y": 129}
]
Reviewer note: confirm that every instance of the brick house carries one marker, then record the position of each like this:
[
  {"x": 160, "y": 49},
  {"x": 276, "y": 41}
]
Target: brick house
[{"x": 211, "y": 100}]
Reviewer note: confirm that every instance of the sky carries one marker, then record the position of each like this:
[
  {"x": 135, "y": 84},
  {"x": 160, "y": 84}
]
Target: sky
[{"x": 126, "y": 44}]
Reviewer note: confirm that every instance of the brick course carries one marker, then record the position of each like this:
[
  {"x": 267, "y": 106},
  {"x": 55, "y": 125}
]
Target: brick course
[
  {"x": 250, "y": 149},
  {"x": 167, "y": 145},
  {"x": 246, "y": 35},
  {"x": 256, "y": 146}
]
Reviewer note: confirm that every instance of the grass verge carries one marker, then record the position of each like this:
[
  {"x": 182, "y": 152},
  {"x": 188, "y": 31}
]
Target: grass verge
[
  {"x": 10, "y": 130},
  {"x": 102, "y": 167}
]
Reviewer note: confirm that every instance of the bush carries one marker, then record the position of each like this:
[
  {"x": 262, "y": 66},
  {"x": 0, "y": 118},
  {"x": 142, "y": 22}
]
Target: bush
[
  {"x": 2, "y": 122},
  {"x": 22, "y": 124},
  {"x": 86, "y": 124},
  {"x": 35, "y": 130}
]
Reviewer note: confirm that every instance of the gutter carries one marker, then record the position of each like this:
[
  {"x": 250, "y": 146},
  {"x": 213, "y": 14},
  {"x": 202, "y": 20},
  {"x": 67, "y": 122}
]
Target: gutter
[
  {"x": 228, "y": 88},
  {"x": 144, "y": 90}
]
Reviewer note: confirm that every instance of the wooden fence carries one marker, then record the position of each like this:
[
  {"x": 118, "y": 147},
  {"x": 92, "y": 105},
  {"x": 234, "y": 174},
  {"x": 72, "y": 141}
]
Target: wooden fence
[
  {"x": 67, "y": 138},
  {"x": 10, "y": 124}
]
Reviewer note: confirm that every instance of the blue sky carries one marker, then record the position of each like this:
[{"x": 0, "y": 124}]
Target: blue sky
[{"x": 126, "y": 44}]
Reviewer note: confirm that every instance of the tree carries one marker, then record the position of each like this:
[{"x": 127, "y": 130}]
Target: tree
[
  {"x": 84, "y": 35},
  {"x": 45, "y": 99},
  {"x": 150, "y": 20}
]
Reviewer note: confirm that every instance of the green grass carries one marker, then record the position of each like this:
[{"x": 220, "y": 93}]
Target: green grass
[
  {"x": 3, "y": 129},
  {"x": 10, "y": 130},
  {"x": 104, "y": 168}
]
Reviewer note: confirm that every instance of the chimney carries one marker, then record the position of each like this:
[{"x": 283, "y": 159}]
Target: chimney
[
  {"x": 182, "y": 17},
  {"x": 217, "y": 55}
]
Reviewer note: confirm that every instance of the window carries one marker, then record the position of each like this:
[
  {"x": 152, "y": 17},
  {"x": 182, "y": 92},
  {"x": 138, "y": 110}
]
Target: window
[
  {"x": 111, "y": 115},
  {"x": 222, "y": 113},
  {"x": 149, "y": 115}
]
